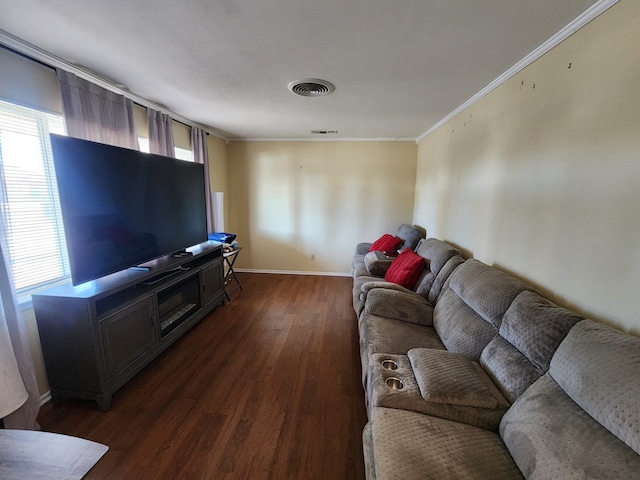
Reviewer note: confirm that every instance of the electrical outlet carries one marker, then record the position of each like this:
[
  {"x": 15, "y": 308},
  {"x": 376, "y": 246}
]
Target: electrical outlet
[{"x": 313, "y": 256}]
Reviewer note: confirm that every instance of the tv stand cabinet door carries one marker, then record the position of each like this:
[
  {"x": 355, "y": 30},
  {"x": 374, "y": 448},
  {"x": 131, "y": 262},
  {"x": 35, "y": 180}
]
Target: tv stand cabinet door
[
  {"x": 212, "y": 283},
  {"x": 128, "y": 334}
]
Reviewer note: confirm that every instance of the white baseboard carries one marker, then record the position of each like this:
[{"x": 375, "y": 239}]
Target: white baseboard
[{"x": 290, "y": 272}]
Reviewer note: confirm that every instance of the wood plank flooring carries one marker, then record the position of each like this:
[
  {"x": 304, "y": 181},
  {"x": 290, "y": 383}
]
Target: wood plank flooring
[{"x": 265, "y": 387}]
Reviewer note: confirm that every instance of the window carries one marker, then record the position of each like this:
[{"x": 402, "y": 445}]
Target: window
[
  {"x": 29, "y": 199},
  {"x": 184, "y": 154},
  {"x": 180, "y": 153},
  {"x": 143, "y": 144}
]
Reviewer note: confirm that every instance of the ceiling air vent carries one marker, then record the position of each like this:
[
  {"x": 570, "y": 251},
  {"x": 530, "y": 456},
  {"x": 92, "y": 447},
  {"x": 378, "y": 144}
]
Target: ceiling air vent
[
  {"x": 323, "y": 132},
  {"x": 311, "y": 87}
]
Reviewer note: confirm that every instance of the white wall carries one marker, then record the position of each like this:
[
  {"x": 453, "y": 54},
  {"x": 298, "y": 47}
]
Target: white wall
[{"x": 542, "y": 177}]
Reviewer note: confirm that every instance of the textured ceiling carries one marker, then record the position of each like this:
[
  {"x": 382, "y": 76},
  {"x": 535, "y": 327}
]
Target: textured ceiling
[{"x": 399, "y": 66}]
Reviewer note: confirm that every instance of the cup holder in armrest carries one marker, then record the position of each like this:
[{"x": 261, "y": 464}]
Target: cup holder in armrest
[
  {"x": 390, "y": 364},
  {"x": 394, "y": 383}
]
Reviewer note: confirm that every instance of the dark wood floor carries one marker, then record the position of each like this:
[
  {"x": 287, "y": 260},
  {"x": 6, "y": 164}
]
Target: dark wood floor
[{"x": 265, "y": 387}]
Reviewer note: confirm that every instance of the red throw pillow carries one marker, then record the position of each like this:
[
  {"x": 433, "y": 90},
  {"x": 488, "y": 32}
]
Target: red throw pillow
[
  {"x": 386, "y": 243},
  {"x": 405, "y": 270}
]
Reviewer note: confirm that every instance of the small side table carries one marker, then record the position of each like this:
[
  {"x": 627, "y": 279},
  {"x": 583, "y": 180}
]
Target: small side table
[
  {"x": 26, "y": 454},
  {"x": 230, "y": 258}
]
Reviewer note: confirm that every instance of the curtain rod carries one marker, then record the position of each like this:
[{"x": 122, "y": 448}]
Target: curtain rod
[
  {"x": 27, "y": 57},
  {"x": 28, "y": 51}
]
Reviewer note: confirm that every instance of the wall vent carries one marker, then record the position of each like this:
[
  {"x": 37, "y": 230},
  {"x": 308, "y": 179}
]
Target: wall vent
[{"x": 323, "y": 132}]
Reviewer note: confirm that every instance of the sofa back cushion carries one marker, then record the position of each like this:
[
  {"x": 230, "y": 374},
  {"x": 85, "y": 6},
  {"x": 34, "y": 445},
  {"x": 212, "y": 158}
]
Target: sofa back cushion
[
  {"x": 531, "y": 330},
  {"x": 471, "y": 305},
  {"x": 410, "y": 235},
  {"x": 599, "y": 368},
  {"x": 581, "y": 419},
  {"x": 550, "y": 436},
  {"x": 437, "y": 255},
  {"x": 441, "y": 278}
]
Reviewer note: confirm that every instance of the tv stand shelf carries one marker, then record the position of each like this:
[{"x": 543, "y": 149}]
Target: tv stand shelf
[{"x": 96, "y": 336}]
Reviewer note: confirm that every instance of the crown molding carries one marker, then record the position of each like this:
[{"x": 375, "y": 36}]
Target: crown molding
[
  {"x": 51, "y": 60},
  {"x": 592, "y": 12},
  {"x": 324, "y": 139}
]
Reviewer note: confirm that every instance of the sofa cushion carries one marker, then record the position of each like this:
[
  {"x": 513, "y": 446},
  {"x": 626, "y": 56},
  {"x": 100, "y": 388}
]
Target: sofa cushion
[
  {"x": 405, "y": 269},
  {"x": 413, "y": 446},
  {"x": 386, "y": 243},
  {"x": 531, "y": 330},
  {"x": 399, "y": 305},
  {"x": 550, "y": 436},
  {"x": 599, "y": 368},
  {"x": 451, "y": 378}
]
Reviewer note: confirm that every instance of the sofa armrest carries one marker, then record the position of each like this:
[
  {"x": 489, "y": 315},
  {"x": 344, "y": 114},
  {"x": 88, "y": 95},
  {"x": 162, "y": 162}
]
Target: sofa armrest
[
  {"x": 395, "y": 304},
  {"x": 359, "y": 270},
  {"x": 366, "y": 287}
]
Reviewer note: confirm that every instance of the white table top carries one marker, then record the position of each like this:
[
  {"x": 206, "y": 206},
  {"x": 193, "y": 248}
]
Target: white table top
[{"x": 30, "y": 455}]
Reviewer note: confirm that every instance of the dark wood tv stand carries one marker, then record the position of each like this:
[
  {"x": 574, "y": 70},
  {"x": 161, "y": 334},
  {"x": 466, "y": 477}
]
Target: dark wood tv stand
[{"x": 96, "y": 336}]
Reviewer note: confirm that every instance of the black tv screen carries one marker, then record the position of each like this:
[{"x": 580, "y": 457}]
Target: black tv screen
[{"x": 122, "y": 207}]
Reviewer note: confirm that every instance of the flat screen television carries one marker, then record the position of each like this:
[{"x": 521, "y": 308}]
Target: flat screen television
[{"x": 122, "y": 208}]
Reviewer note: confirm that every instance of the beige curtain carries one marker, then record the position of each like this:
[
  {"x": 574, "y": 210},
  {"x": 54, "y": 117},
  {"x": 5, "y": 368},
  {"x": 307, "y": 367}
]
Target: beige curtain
[
  {"x": 19, "y": 398},
  {"x": 95, "y": 113},
  {"x": 201, "y": 155},
  {"x": 160, "y": 133}
]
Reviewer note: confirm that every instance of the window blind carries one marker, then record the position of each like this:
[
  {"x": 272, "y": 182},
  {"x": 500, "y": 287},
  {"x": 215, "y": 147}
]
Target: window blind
[
  {"x": 29, "y": 199},
  {"x": 180, "y": 153}
]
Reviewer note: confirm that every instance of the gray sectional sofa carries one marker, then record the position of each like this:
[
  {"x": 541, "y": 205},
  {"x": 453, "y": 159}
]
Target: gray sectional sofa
[
  {"x": 473, "y": 374},
  {"x": 362, "y": 273}
]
